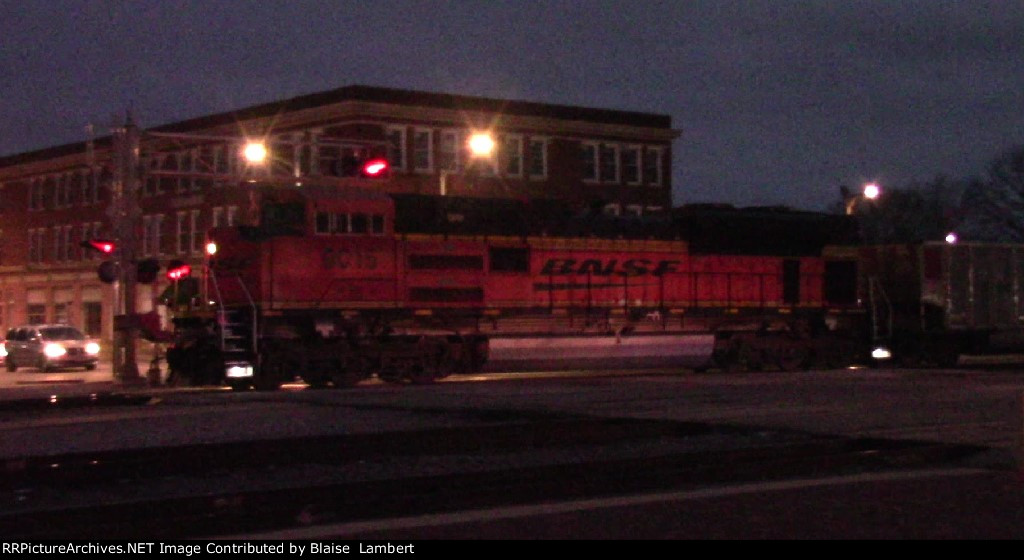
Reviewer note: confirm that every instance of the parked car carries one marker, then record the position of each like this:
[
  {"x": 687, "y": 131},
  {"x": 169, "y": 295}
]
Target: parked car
[{"x": 49, "y": 347}]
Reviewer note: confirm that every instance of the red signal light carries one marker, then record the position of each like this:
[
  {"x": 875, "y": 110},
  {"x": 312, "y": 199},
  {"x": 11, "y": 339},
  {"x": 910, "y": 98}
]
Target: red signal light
[
  {"x": 176, "y": 270},
  {"x": 375, "y": 167},
  {"x": 101, "y": 245}
]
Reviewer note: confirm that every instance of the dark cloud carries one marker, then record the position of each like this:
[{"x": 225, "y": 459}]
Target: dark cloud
[{"x": 779, "y": 102}]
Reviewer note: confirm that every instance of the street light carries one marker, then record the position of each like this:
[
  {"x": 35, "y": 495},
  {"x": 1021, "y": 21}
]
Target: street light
[
  {"x": 255, "y": 152},
  {"x": 871, "y": 191},
  {"x": 481, "y": 145}
]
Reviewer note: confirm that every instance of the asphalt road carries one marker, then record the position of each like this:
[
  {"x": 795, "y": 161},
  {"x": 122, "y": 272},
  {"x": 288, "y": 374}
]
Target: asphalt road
[{"x": 912, "y": 496}]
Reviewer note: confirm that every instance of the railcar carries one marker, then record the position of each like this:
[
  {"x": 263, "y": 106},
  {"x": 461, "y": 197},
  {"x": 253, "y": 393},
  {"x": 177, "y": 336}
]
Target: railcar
[{"x": 336, "y": 284}]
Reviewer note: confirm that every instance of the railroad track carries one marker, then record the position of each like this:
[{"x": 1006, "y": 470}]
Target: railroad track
[{"x": 208, "y": 490}]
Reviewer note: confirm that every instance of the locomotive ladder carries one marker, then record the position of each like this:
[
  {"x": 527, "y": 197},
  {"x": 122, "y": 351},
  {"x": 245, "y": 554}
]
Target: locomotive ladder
[{"x": 230, "y": 330}]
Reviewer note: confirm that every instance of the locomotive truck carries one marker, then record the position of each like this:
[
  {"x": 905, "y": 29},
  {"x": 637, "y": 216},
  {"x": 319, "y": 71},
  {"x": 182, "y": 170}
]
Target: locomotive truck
[{"x": 337, "y": 284}]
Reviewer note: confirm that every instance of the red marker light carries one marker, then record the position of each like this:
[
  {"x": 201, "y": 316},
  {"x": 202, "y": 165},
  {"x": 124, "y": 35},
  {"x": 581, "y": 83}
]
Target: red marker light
[
  {"x": 101, "y": 245},
  {"x": 179, "y": 272},
  {"x": 375, "y": 167}
]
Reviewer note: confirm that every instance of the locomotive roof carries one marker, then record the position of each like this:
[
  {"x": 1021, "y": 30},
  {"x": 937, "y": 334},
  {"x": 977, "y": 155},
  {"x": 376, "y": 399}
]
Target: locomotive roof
[
  {"x": 709, "y": 229},
  {"x": 535, "y": 217}
]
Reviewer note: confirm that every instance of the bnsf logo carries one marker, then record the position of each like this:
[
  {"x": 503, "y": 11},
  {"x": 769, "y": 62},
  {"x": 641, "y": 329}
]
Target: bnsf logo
[{"x": 597, "y": 267}]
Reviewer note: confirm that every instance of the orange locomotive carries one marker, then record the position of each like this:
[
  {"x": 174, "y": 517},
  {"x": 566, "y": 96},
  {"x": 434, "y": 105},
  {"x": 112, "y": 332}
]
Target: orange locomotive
[{"x": 334, "y": 285}]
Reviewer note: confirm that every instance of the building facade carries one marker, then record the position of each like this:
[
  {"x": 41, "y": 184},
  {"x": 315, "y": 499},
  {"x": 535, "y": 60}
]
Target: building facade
[{"x": 193, "y": 177}]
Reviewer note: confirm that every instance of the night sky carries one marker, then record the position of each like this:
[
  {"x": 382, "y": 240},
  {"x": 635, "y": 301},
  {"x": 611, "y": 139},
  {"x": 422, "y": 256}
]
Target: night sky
[{"x": 778, "y": 102}]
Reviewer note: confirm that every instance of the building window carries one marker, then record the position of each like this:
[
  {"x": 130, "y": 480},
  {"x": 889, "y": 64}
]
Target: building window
[
  {"x": 635, "y": 210},
  {"x": 69, "y": 251},
  {"x": 588, "y": 159},
  {"x": 396, "y": 147},
  {"x": 58, "y": 191},
  {"x": 609, "y": 163},
  {"x": 182, "y": 234},
  {"x": 36, "y": 313},
  {"x": 87, "y": 234},
  {"x": 152, "y": 226},
  {"x": 422, "y": 150},
  {"x": 60, "y": 313},
  {"x": 511, "y": 156},
  {"x": 216, "y": 216},
  {"x": 652, "y": 166},
  {"x": 612, "y": 210},
  {"x": 537, "y": 162},
  {"x": 448, "y": 150},
  {"x": 232, "y": 215},
  {"x": 58, "y": 244},
  {"x": 92, "y": 318},
  {"x": 631, "y": 165},
  {"x": 87, "y": 185},
  {"x": 196, "y": 232}
]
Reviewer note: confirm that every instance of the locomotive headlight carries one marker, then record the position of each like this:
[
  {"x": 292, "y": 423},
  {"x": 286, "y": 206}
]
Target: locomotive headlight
[
  {"x": 211, "y": 248},
  {"x": 53, "y": 350},
  {"x": 238, "y": 369},
  {"x": 881, "y": 353},
  {"x": 92, "y": 348}
]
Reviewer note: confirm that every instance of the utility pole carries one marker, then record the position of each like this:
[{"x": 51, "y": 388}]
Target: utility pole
[{"x": 124, "y": 212}]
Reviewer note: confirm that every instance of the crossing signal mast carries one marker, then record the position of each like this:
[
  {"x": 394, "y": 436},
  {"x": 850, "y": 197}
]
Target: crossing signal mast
[{"x": 124, "y": 268}]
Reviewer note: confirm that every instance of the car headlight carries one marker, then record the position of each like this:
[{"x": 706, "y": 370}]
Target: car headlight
[
  {"x": 3, "y": 350},
  {"x": 92, "y": 348},
  {"x": 238, "y": 369},
  {"x": 881, "y": 353},
  {"x": 54, "y": 350}
]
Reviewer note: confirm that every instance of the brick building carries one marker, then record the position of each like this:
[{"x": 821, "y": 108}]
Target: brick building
[{"x": 193, "y": 178}]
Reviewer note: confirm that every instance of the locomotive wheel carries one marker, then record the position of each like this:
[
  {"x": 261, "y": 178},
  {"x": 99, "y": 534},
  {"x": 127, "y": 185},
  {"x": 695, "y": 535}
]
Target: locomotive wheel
[
  {"x": 742, "y": 355},
  {"x": 349, "y": 374},
  {"x": 270, "y": 376},
  {"x": 791, "y": 357},
  {"x": 345, "y": 379}
]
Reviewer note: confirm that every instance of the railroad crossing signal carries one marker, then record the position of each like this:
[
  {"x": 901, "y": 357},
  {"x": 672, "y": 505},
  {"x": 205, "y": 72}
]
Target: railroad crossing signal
[{"x": 176, "y": 270}]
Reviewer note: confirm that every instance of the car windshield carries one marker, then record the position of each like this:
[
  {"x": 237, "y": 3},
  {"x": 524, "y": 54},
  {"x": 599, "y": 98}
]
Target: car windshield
[{"x": 61, "y": 333}]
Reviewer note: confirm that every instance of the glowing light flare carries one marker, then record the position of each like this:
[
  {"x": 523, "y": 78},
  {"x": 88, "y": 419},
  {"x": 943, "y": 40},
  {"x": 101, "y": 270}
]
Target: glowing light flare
[
  {"x": 881, "y": 353},
  {"x": 211, "y": 248},
  {"x": 952, "y": 238},
  {"x": 92, "y": 348},
  {"x": 180, "y": 272},
  {"x": 375, "y": 167},
  {"x": 53, "y": 350},
  {"x": 255, "y": 152},
  {"x": 872, "y": 191},
  {"x": 3, "y": 350},
  {"x": 481, "y": 144}
]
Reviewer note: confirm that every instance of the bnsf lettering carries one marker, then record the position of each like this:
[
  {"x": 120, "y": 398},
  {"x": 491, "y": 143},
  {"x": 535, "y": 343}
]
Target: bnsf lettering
[
  {"x": 342, "y": 259},
  {"x": 596, "y": 267}
]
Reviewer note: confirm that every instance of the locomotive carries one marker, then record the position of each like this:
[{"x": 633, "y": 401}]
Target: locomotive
[{"x": 335, "y": 284}]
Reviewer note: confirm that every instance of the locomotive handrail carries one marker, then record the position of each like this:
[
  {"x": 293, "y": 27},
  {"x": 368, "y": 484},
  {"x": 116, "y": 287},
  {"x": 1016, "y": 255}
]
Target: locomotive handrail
[
  {"x": 876, "y": 293},
  {"x": 221, "y": 314}
]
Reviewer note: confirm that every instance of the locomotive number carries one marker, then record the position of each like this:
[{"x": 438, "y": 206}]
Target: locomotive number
[{"x": 343, "y": 259}]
